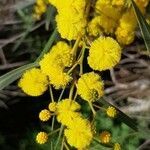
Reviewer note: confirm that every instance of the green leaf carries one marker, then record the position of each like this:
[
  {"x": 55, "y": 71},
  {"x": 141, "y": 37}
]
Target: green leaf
[
  {"x": 50, "y": 16},
  {"x": 144, "y": 26},
  {"x": 13, "y": 75}
]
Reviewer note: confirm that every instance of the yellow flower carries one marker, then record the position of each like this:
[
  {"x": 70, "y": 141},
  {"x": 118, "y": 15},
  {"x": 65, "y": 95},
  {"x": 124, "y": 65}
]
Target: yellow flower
[
  {"x": 54, "y": 2},
  {"x": 125, "y": 32},
  {"x": 125, "y": 36},
  {"x": 117, "y": 146},
  {"x": 79, "y": 134},
  {"x": 119, "y": 3},
  {"x": 70, "y": 25},
  {"x": 107, "y": 24},
  {"x": 60, "y": 55},
  {"x": 41, "y": 137},
  {"x": 53, "y": 64},
  {"x": 58, "y": 78},
  {"x": 93, "y": 27},
  {"x": 104, "y": 53},
  {"x": 90, "y": 86},
  {"x": 44, "y": 115},
  {"x": 71, "y": 19},
  {"x": 52, "y": 106},
  {"x": 66, "y": 111},
  {"x": 33, "y": 82},
  {"x": 105, "y": 137},
  {"x": 69, "y": 5},
  {"x": 106, "y": 8},
  {"x": 128, "y": 20},
  {"x": 39, "y": 9},
  {"x": 111, "y": 112}
]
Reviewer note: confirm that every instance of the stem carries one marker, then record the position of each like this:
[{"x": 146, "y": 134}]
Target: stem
[
  {"x": 95, "y": 139},
  {"x": 99, "y": 107},
  {"x": 71, "y": 91},
  {"x": 51, "y": 145},
  {"x": 55, "y": 131},
  {"x": 60, "y": 133},
  {"x": 75, "y": 96},
  {"x": 61, "y": 94},
  {"x": 72, "y": 68},
  {"x": 62, "y": 144},
  {"x": 81, "y": 60},
  {"x": 75, "y": 47},
  {"x": 51, "y": 93},
  {"x": 53, "y": 122},
  {"x": 93, "y": 110},
  {"x": 66, "y": 146}
]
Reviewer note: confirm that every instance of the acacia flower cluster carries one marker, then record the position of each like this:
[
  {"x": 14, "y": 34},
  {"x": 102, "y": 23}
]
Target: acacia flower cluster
[
  {"x": 117, "y": 18},
  {"x": 92, "y": 32},
  {"x": 71, "y": 19},
  {"x": 33, "y": 82},
  {"x": 67, "y": 113},
  {"x": 39, "y": 9},
  {"x": 55, "y": 64},
  {"x": 90, "y": 86}
]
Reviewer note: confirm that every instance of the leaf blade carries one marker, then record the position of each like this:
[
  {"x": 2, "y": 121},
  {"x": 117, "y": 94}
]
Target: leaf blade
[
  {"x": 144, "y": 26},
  {"x": 13, "y": 75}
]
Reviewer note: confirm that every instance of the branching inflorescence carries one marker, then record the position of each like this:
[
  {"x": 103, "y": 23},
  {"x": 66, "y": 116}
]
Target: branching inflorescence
[{"x": 99, "y": 27}]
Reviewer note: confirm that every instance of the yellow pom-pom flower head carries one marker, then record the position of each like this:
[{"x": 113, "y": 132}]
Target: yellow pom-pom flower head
[
  {"x": 117, "y": 146},
  {"x": 60, "y": 56},
  {"x": 125, "y": 32},
  {"x": 93, "y": 27},
  {"x": 33, "y": 82},
  {"x": 66, "y": 111},
  {"x": 63, "y": 54},
  {"x": 105, "y": 7},
  {"x": 54, "y": 63},
  {"x": 105, "y": 137},
  {"x": 42, "y": 137},
  {"x": 79, "y": 133},
  {"x": 107, "y": 24},
  {"x": 71, "y": 20},
  {"x": 70, "y": 26},
  {"x": 119, "y": 3},
  {"x": 39, "y": 9},
  {"x": 73, "y": 5},
  {"x": 59, "y": 79},
  {"x": 111, "y": 112},
  {"x": 52, "y": 106},
  {"x": 104, "y": 53},
  {"x": 125, "y": 36},
  {"x": 44, "y": 115},
  {"x": 90, "y": 86}
]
